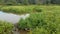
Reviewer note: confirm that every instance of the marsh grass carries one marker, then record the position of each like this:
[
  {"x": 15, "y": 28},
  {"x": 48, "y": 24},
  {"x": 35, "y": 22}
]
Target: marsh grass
[
  {"x": 5, "y": 27},
  {"x": 20, "y": 9},
  {"x": 45, "y": 18},
  {"x": 29, "y": 9},
  {"x": 42, "y": 23}
]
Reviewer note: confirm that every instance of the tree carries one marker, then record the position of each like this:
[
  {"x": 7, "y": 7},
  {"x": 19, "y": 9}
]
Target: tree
[{"x": 25, "y": 2}]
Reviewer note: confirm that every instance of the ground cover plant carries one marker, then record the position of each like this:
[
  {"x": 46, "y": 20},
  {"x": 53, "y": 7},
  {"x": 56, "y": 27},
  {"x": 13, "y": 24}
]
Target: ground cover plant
[
  {"x": 20, "y": 9},
  {"x": 29, "y": 9},
  {"x": 42, "y": 19},
  {"x": 42, "y": 23},
  {"x": 6, "y": 27}
]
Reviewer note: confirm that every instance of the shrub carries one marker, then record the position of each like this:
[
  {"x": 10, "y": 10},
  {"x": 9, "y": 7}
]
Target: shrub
[{"x": 5, "y": 27}]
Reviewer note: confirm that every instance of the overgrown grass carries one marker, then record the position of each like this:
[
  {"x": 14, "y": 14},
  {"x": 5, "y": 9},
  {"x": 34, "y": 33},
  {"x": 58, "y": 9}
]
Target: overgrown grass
[
  {"x": 30, "y": 9},
  {"x": 46, "y": 21},
  {"x": 6, "y": 27},
  {"x": 21, "y": 9},
  {"x": 42, "y": 23}
]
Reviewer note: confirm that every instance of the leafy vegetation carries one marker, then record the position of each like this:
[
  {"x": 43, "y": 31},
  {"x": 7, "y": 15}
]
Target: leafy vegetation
[
  {"x": 6, "y": 27},
  {"x": 28, "y": 2},
  {"x": 20, "y": 9},
  {"x": 42, "y": 20},
  {"x": 46, "y": 22},
  {"x": 29, "y": 9}
]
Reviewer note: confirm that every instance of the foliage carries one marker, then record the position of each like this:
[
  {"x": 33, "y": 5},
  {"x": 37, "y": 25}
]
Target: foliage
[
  {"x": 5, "y": 27},
  {"x": 46, "y": 21},
  {"x": 28, "y": 2},
  {"x": 37, "y": 9},
  {"x": 29, "y": 9},
  {"x": 39, "y": 31},
  {"x": 30, "y": 22},
  {"x": 20, "y": 9}
]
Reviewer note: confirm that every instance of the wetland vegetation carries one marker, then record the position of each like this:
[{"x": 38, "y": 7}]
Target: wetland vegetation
[
  {"x": 30, "y": 16},
  {"x": 42, "y": 19}
]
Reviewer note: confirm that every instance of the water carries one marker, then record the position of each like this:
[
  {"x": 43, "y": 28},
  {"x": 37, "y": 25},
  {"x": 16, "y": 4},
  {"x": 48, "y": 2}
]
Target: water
[{"x": 12, "y": 18}]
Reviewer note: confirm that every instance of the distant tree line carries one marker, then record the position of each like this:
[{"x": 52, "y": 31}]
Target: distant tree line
[{"x": 28, "y": 2}]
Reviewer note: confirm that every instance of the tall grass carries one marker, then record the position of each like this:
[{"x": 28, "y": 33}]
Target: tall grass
[
  {"x": 42, "y": 23},
  {"x": 20, "y": 9},
  {"x": 6, "y": 27},
  {"x": 29, "y": 9}
]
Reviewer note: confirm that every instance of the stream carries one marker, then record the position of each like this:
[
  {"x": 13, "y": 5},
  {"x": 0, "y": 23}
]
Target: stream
[{"x": 12, "y": 18}]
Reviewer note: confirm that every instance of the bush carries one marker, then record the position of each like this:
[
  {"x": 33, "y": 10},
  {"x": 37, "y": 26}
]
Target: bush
[
  {"x": 5, "y": 27},
  {"x": 47, "y": 21}
]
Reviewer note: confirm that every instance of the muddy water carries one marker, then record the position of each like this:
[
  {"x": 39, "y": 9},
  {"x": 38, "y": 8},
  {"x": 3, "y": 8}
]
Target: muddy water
[{"x": 12, "y": 18}]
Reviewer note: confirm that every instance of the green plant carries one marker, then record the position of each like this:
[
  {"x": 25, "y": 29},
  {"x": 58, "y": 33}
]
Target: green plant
[
  {"x": 5, "y": 27},
  {"x": 37, "y": 9},
  {"x": 39, "y": 31},
  {"x": 30, "y": 22},
  {"x": 29, "y": 9},
  {"x": 21, "y": 9},
  {"x": 47, "y": 21}
]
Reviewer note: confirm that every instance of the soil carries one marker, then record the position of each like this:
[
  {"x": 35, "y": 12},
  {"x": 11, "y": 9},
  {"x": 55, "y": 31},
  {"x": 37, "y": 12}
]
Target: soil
[{"x": 23, "y": 32}]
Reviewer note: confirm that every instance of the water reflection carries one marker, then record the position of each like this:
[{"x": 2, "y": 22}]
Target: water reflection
[{"x": 13, "y": 18}]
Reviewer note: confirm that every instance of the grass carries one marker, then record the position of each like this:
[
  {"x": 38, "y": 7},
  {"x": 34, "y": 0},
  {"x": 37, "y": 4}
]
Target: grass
[
  {"x": 47, "y": 20},
  {"x": 29, "y": 9},
  {"x": 6, "y": 27},
  {"x": 42, "y": 23},
  {"x": 19, "y": 9}
]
